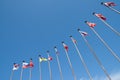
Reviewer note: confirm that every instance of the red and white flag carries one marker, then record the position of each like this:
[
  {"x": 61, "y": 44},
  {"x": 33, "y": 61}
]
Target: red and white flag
[
  {"x": 83, "y": 33},
  {"x": 25, "y": 65},
  {"x": 65, "y": 46},
  {"x": 49, "y": 58},
  {"x": 100, "y": 16},
  {"x": 91, "y": 24},
  {"x": 31, "y": 64},
  {"x": 15, "y": 66},
  {"x": 109, "y": 4},
  {"x": 73, "y": 40}
]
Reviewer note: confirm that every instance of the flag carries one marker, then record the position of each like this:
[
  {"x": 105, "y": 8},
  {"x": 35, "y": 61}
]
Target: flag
[
  {"x": 109, "y": 4},
  {"x": 56, "y": 51},
  {"x": 49, "y": 58},
  {"x": 83, "y": 33},
  {"x": 25, "y": 65},
  {"x": 100, "y": 16},
  {"x": 15, "y": 66},
  {"x": 41, "y": 59},
  {"x": 65, "y": 46},
  {"x": 73, "y": 40},
  {"x": 31, "y": 64},
  {"x": 91, "y": 24}
]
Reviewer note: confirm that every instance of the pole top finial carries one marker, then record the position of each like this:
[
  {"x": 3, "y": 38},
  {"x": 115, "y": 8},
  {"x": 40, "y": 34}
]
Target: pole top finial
[
  {"x": 70, "y": 36},
  {"x": 55, "y": 47},
  {"x": 102, "y": 3},
  {"x": 62, "y": 41},
  {"x": 93, "y": 13},
  {"x": 78, "y": 29},
  {"x": 85, "y": 21}
]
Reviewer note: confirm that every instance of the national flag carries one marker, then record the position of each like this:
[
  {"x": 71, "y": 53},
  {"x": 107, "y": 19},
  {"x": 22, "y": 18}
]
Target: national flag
[
  {"x": 100, "y": 16},
  {"x": 91, "y": 24},
  {"x": 41, "y": 59},
  {"x": 73, "y": 40},
  {"x": 25, "y": 65},
  {"x": 16, "y": 66},
  {"x": 49, "y": 58},
  {"x": 83, "y": 33},
  {"x": 109, "y": 4},
  {"x": 31, "y": 63},
  {"x": 65, "y": 46},
  {"x": 56, "y": 50}
]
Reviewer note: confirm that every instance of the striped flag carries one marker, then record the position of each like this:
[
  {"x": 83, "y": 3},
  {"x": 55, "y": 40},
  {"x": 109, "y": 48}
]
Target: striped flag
[
  {"x": 73, "y": 40},
  {"x": 25, "y": 65}
]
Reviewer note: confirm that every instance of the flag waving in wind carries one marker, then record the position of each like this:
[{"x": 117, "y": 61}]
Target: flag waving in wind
[
  {"x": 92, "y": 25},
  {"x": 73, "y": 40},
  {"x": 100, "y": 16},
  {"x": 83, "y": 33},
  {"x": 31, "y": 63},
  {"x": 16, "y": 66},
  {"x": 25, "y": 65},
  {"x": 49, "y": 58},
  {"x": 109, "y": 4},
  {"x": 65, "y": 46}
]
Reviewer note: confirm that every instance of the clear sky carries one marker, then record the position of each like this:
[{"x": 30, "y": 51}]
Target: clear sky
[{"x": 31, "y": 27}]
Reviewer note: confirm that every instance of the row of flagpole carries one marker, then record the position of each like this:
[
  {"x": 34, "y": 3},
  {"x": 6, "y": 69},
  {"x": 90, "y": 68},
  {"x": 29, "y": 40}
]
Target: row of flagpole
[{"x": 83, "y": 34}]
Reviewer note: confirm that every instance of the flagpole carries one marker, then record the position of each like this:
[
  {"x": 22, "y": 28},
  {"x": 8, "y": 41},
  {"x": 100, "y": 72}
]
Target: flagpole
[
  {"x": 11, "y": 74},
  {"x": 30, "y": 74},
  {"x": 115, "y": 31},
  {"x": 59, "y": 66},
  {"x": 114, "y": 10},
  {"x": 95, "y": 56},
  {"x": 82, "y": 60},
  {"x": 21, "y": 74},
  {"x": 40, "y": 69},
  {"x": 106, "y": 45},
  {"x": 70, "y": 64},
  {"x": 50, "y": 71}
]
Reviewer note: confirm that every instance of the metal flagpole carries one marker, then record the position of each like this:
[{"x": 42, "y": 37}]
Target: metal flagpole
[
  {"x": 59, "y": 66},
  {"x": 95, "y": 56},
  {"x": 114, "y": 10},
  {"x": 70, "y": 63},
  {"x": 11, "y": 74},
  {"x": 115, "y": 31},
  {"x": 106, "y": 45},
  {"x": 40, "y": 67},
  {"x": 21, "y": 73},
  {"x": 50, "y": 71},
  {"x": 30, "y": 74},
  {"x": 82, "y": 60}
]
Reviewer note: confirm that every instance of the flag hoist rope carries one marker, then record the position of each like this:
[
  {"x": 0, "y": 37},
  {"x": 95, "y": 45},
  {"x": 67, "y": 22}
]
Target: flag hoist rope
[
  {"x": 70, "y": 64},
  {"x": 59, "y": 66},
  {"x": 82, "y": 60},
  {"x": 95, "y": 56},
  {"x": 106, "y": 45}
]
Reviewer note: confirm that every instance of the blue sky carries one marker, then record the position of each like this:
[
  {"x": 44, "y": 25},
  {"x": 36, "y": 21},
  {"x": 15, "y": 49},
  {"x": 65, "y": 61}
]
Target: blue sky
[{"x": 31, "y": 27}]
